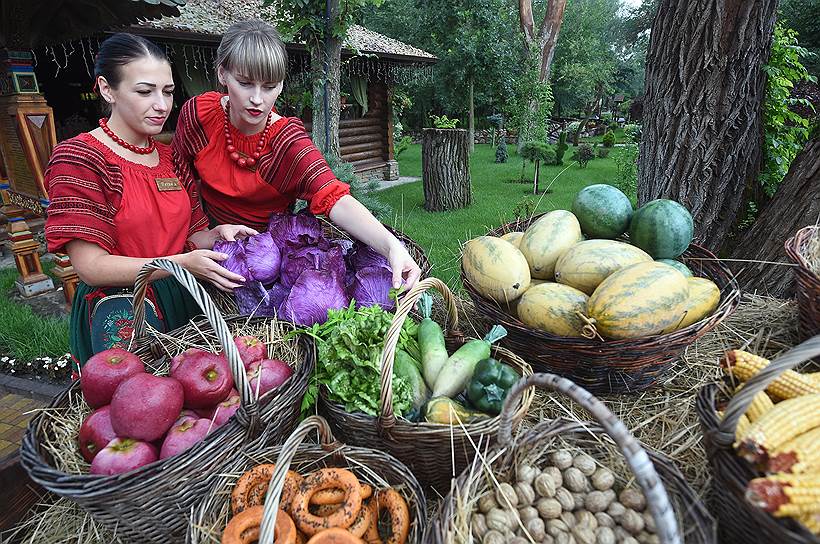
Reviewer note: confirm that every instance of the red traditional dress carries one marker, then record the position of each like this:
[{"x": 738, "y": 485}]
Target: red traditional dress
[
  {"x": 129, "y": 210},
  {"x": 289, "y": 168}
]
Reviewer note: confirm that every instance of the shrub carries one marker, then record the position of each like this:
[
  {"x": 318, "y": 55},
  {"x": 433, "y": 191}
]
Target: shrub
[
  {"x": 633, "y": 133},
  {"x": 403, "y": 145},
  {"x": 501, "y": 150},
  {"x": 626, "y": 161},
  {"x": 602, "y": 152},
  {"x": 561, "y": 148},
  {"x": 608, "y": 139},
  {"x": 583, "y": 154},
  {"x": 442, "y": 121}
]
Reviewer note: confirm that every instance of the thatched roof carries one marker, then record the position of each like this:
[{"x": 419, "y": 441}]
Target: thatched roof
[{"x": 212, "y": 17}]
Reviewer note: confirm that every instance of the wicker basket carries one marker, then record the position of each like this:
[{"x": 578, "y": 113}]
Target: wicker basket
[
  {"x": 151, "y": 504},
  {"x": 446, "y": 449},
  {"x": 377, "y": 468},
  {"x": 807, "y": 284},
  {"x": 738, "y": 520},
  {"x": 227, "y": 305},
  {"x": 613, "y": 366},
  {"x": 678, "y": 512}
]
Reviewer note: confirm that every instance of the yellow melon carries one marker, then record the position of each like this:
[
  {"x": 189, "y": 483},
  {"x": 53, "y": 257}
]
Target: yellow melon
[
  {"x": 496, "y": 268},
  {"x": 547, "y": 239},
  {"x": 553, "y": 308}
]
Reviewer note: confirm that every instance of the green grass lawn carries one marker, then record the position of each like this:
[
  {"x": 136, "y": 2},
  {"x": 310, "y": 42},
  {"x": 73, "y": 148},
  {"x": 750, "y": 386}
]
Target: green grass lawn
[
  {"x": 495, "y": 197},
  {"x": 620, "y": 137},
  {"x": 25, "y": 335}
]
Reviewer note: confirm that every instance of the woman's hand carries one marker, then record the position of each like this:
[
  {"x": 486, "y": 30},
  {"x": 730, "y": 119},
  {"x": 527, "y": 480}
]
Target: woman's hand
[
  {"x": 204, "y": 264},
  {"x": 232, "y": 232},
  {"x": 405, "y": 269}
]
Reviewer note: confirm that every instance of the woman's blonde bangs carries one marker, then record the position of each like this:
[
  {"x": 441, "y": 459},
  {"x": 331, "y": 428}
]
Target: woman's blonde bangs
[{"x": 254, "y": 50}]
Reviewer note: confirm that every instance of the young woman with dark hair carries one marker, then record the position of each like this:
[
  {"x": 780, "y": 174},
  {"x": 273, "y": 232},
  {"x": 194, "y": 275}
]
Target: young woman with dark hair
[{"x": 116, "y": 203}]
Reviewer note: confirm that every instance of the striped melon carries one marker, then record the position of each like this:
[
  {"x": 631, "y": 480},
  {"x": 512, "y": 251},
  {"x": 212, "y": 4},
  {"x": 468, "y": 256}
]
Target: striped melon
[
  {"x": 704, "y": 297},
  {"x": 553, "y": 308},
  {"x": 682, "y": 268},
  {"x": 512, "y": 306},
  {"x": 513, "y": 237},
  {"x": 602, "y": 210},
  {"x": 639, "y": 300},
  {"x": 547, "y": 239},
  {"x": 588, "y": 263},
  {"x": 495, "y": 268},
  {"x": 663, "y": 228}
]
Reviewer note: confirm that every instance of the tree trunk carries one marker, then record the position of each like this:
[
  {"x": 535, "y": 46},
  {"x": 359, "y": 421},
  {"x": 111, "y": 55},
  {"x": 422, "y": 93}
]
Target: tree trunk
[
  {"x": 471, "y": 119},
  {"x": 703, "y": 107},
  {"x": 795, "y": 204},
  {"x": 325, "y": 64},
  {"x": 547, "y": 36},
  {"x": 535, "y": 179},
  {"x": 445, "y": 163}
]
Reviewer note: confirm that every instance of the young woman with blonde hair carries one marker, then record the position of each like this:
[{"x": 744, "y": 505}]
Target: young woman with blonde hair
[{"x": 251, "y": 162}]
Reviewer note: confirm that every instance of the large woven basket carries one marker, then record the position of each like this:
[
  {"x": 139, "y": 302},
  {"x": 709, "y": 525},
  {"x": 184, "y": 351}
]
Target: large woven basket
[
  {"x": 151, "y": 504},
  {"x": 375, "y": 467},
  {"x": 435, "y": 453},
  {"x": 678, "y": 513},
  {"x": 738, "y": 520},
  {"x": 807, "y": 284},
  {"x": 227, "y": 305},
  {"x": 612, "y": 366}
]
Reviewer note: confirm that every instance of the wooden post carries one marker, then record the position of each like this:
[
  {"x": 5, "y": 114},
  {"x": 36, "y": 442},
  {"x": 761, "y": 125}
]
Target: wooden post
[
  {"x": 445, "y": 159},
  {"x": 32, "y": 281},
  {"x": 67, "y": 276}
]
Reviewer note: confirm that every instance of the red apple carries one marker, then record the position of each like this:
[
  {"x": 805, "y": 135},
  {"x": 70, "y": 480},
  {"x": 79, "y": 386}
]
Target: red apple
[
  {"x": 123, "y": 455},
  {"x": 104, "y": 371},
  {"x": 184, "y": 435},
  {"x": 268, "y": 374},
  {"x": 251, "y": 349},
  {"x": 96, "y": 432},
  {"x": 225, "y": 409},
  {"x": 145, "y": 406},
  {"x": 205, "y": 378},
  {"x": 191, "y": 353}
]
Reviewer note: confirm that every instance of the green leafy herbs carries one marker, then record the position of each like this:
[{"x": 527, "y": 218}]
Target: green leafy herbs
[{"x": 350, "y": 345}]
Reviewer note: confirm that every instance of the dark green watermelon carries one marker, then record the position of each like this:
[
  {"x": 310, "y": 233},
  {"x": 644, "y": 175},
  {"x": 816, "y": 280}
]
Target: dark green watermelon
[
  {"x": 663, "y": 228},
  {"x": 678, "y": 265},
  {"x": 602, "y": 210}
]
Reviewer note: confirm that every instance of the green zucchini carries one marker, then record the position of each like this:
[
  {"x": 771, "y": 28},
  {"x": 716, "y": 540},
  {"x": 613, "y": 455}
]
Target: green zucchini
[
  {"x": 458, "y": 370},
  {"x": 406, "y": 367},
  {"x": 431, "y": 342}
]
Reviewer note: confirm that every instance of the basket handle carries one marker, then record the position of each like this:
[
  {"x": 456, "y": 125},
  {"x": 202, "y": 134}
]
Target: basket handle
[
  {"x": 387, "y": 419},
  {"x": 187, "y": 280},
  {"x": 724, "y": 435},
  {"x": 637, "y": 458},
  {"x": 277, "y": 480}
]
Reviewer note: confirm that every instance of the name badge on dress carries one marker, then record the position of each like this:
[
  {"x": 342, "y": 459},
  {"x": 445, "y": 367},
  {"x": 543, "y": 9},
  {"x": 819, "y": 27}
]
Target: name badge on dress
[{"x": 168, "y": 184}]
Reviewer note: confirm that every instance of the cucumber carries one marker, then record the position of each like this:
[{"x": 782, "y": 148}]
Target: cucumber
[
  {"x": 458, "y": 370},
  {"x": 431, "y": 342},
  {"x": 406, "y": 367}
]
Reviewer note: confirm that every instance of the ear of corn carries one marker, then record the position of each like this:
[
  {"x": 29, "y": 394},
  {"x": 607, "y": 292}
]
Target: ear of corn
[
  {"x": 761, "y": 403},
  {"x": 811, "y": 522},
  {"x": 798, "y": 455},
  {"x": 786, "y": 420},
  {"x": 744, "y": 365},
  {"x": 786, "y": 494},
  {"x": 742, "y": 424}
]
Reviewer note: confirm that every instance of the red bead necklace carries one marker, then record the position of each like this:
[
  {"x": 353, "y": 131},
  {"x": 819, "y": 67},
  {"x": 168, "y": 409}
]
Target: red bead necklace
[
  {"x": 152, "y": 145},
  {"x": 244, "y": 162}
]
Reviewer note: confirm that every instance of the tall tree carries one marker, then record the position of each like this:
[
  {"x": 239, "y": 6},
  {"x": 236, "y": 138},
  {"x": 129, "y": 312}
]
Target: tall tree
[
  {"x": 545, "y": 37},
  {"x": 322, "y": 25},
  {"x": 795, "y": 204},
  {"x": 705, "y": 85}
]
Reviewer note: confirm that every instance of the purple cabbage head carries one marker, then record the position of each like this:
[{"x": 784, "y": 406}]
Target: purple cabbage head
[
  {"x": 364, "y": 256},
  {"x": 314, "y": 293},
  {"x": 238, "y": 264},
  {"x": 297, "y": 261},
  {"x": 263, "y": 258},
  {"x": 294, "y": 231},
  {"x": 371, "y": 285},
  {"x": 229, "y": 248},
  {"x": 251, "y": 298}
]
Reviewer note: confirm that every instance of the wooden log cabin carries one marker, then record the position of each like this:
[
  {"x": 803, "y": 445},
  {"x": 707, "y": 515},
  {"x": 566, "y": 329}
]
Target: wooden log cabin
[{"x": 371, "y": 65}]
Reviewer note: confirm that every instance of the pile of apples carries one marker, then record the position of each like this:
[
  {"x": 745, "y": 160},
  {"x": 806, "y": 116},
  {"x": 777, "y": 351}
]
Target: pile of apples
[{"x": 138, "y": 417}]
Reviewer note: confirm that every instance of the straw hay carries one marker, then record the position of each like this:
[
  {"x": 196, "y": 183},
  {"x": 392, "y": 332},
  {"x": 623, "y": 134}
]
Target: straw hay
[
  {"x": 812, "y": 254},
  {"x": 60, "y": 522},
  {"x": 664, "y": 418}
]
